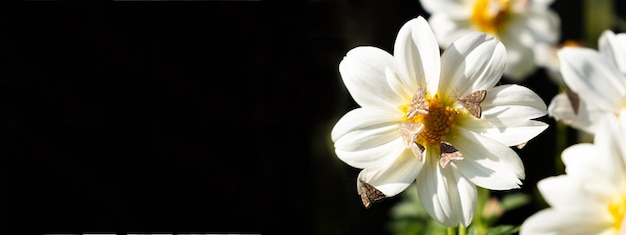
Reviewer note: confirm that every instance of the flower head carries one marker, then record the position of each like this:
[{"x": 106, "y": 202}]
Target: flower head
[
  {"x": 437, "y": 119},
  {"x": 597, "y": 80},
  {"x": 519, "y": 24},
  {"x": 591, "y": 197}
]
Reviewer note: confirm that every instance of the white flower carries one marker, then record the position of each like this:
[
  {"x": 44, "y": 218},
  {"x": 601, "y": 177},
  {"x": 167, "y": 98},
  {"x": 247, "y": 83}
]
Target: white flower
[
  {"x": 598, "y": 82},
  {"x": 591, "y": 197},
  {"x": 413, "y": 125},
  {"x": 518, "y": 24},
  {"x": 546, "y": 56}
]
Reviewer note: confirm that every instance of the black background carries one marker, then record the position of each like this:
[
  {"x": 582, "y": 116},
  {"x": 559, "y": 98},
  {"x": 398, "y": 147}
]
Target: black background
[{"x": 197, "y": 116}]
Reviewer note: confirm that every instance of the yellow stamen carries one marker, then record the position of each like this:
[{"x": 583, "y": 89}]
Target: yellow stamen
[
  {"x": 437, "y": 122},
  {"x": 617, "y": 209},
  {"x": 572, "y": 43},
  {"x": 490, "y": 15}
]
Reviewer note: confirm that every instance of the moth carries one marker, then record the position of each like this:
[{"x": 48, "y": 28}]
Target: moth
[
  {"x": 369, "y": 194},
  {"x": 448, "y": 153},
  {"x": 418, "y": 104},
  {"x": 574, "y": 100},
  {"x": 409, "y": 132},
  {"x": 472, "y": 101}
]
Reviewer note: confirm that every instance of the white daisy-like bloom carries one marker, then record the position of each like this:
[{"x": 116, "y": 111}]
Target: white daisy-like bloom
[
  {"x": 546, "y": 57},
  {"x": 435, "y": 118},
  {"x": 519, "y": 24},
  {"x": 590, "y": 198},
  {"x": 597, "y": 83}
]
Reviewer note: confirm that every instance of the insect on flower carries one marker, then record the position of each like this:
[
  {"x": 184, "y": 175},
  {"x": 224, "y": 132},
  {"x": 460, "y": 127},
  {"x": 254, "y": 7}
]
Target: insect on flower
[{"x": 434, "y": 118}]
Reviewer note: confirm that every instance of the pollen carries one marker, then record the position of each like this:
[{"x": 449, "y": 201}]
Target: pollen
[
  {"x": 437, "y": 122},
  {"x": 617, "y": 209},
  {"x": 490, "y": 16}
]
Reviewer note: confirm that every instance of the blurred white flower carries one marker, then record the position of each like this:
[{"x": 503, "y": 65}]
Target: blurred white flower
[
  {"x": 519, "y": 24},
  {"x": 437, "y": 119},
  {"x": 546, "y": 57},
  {"x": 590, "y": 198},
  {"x": 597, "y": 80}
]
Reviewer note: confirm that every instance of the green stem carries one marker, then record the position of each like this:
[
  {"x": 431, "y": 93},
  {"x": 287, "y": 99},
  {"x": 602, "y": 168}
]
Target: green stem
[
  {"x": 462, "y": 230},
  {"x": 479, "y": 223},
  {"x": 561, "y": 142},
  {"x": 451, "y": 231},
  {"x": 598, "y": 15}
]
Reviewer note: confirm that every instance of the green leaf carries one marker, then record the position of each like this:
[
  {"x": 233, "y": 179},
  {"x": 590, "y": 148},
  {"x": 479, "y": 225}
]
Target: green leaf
[
  {"x": 515, "y": 200},
  {"x": 408, "y": 217},
  {"x": 472, "y": 231},
  {"x": 503, "y": 230}
]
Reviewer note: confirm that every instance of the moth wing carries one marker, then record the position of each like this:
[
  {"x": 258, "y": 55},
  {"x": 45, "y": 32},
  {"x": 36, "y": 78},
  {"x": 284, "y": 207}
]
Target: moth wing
[
  {"x": 574, "y": 100},
  {"x": 409, "y": 131},
  {"x": 363, "y": 192},
  {"x": 472, "y": 101},
  {"x": 448, "y": 153},
  {"x": 418, "y": 104},
  {"x": 417, "y": 150},
  {"x": 372, "y": 195}
]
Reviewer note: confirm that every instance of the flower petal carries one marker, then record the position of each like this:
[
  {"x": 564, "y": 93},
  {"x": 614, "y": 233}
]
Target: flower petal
[
  {"x": 542, "y": 3},
  {"x": 561, "y": 109},
  {"x": 363, "y": 73},
  {"x": 612, "y": 46},
  {"x": 447, "y": 29},
  {"x": 602, "y": 161},
  {"x": 399, "y": 85},
  {"x": 551, "y": 222},
  {"x": 365, "y": 137},
  {"x": 486, "y": 162},
  {"x": 543, "y": 23},
  {"x": 507, "y": 111},
  {"x": 593, "y": 76},
  {"x": 520, "y": 58},
  {"x": 452, "y": 8},
  {"x": 473, "y": 62},
  {"x": 564, "y": 192},
  {"x": 508, "y": 131},
  {"x": 417, "y": 54},
  {"x": 395, "y": 176},
  {"x": 445, "y": 194},
  {"x": 582, "y": 163},
  {"x": 512, "y": 101}
]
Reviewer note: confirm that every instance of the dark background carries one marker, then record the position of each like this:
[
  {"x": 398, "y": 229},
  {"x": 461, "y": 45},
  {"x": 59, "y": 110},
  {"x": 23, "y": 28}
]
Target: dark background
[{"x": 197, "y": 116}]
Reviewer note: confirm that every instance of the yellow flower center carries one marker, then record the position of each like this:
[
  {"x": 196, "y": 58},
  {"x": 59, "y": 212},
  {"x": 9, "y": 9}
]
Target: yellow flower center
[
  {"x": 490, "y": 16},
  {"x": 617, "y": 209},
  {"x": 437, "y": 122}
]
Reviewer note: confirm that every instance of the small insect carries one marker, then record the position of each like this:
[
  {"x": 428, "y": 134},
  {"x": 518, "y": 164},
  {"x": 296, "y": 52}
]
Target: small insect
[
  {"x": 574, "y": 100},
  {"x": 409, "y": 132},
  {"x": 522, "y": 145},
  {"x": 418, "y": 104},
  {"x": 472, "y": 101},
  {"x": 448, "y": 153},
  {"x": 369, "y": 194}
]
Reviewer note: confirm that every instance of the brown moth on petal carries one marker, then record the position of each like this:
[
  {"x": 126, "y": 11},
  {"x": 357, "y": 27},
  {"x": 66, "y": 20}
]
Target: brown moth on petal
[
  {"x": 574, "y": 100},
  {"x": 417, "y": 150},
  {"x": 409, "y": 132},
  {"x": 369, "y": 194},
  {"x": 472, "y": 101},
  {"x": 418, "y": 104},
  {"x": 448, "y": 153}
]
